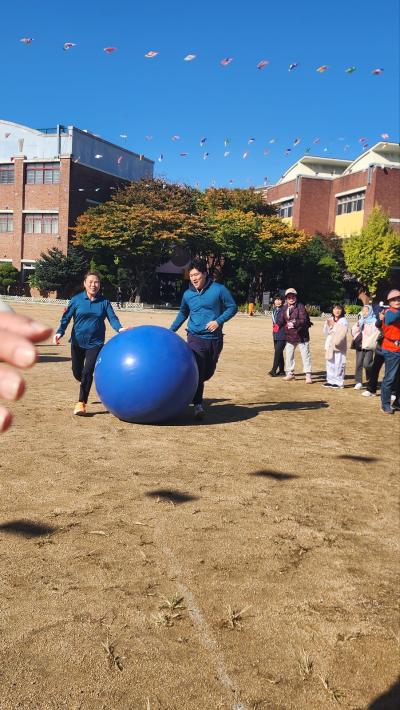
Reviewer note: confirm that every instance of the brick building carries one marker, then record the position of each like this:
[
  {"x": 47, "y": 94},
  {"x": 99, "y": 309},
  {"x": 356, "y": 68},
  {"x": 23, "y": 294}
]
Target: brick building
[
  {"x": 329, "y": 195},
  {"x": 48, "y": 177}
]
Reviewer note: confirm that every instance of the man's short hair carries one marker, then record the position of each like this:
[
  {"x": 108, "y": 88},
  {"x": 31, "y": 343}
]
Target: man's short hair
[{"x": 199, "y": 265}]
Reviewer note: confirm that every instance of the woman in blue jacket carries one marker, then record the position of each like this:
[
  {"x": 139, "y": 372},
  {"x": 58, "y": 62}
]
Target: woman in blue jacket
[{"x": 88, "y": 310}]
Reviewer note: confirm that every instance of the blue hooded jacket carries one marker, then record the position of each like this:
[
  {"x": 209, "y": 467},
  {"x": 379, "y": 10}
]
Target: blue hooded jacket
[{"x": 214, "y": 302}]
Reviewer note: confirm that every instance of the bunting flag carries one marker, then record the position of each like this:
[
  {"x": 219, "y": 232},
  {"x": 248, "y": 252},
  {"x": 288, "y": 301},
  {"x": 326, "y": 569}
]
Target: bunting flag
[
  {"x": 293, "y": 66},
  {"x": 109, "y": 50},
  {"x": 322, "y": 68},
  {"x": 26, "y": 40},
  {"x": 151, "y": 55},
  {"x": 350, "y": 70},
  {"x": 262, "y": 64},
  {"x": 189, "y": 57},
  {"x": 377, "y": 71},
  {"x": 68, "y": 45},
  {"x": 226, "y": 61}
]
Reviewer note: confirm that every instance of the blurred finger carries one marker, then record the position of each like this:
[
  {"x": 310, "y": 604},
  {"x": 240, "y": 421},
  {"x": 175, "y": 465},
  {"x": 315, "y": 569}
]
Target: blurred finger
[
  {"x": 16, "y": 350},
  {"x": 5, "y": 419},
  {"x": 12, "y": 385},
  {"x": 24, "y": 326}
]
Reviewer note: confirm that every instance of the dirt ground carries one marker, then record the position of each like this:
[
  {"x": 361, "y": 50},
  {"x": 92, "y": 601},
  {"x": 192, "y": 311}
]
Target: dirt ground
[{"x": 245, "y": 563}]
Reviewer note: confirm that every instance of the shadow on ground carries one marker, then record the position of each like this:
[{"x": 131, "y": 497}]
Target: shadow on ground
[
  {"x": 276, "y": 475},
  {"x": 171, "y": 495},
  {"x": 355, "y": 457},
  {"x": 222, "y": 411},
  {"x": 52, "y": 358},
  {"x": 26, "y": 528},
  {"x": 389, "y": 700}
]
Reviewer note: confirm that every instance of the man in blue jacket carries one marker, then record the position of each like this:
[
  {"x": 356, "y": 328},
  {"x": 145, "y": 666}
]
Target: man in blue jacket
[{"x": 208, "y": 305}]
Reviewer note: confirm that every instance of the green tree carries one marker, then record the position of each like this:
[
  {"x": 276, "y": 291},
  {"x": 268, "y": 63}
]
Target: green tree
[
  {"x": 371, "y": 255},
  {"x": 8, "y": 277},
  {"x": 136, "y": 238},
  {"x": 56, "y": 271},
  {"x": 246, "y": 200},
  {"x": 316, "y": 274}
]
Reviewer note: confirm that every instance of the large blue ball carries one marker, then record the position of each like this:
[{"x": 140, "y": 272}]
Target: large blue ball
[{"x": 146, "y": 375}]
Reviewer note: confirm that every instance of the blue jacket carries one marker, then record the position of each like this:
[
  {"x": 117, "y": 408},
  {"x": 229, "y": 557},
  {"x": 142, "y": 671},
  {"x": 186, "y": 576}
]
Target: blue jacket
[
  {"x": 89, "y": 330},
  {"x": 214, "y": 302}
]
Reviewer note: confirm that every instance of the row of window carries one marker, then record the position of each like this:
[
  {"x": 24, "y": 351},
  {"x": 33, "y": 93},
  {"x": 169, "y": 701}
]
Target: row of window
[
  {"x": 285, "y": 209},
  {"x": 34, "y": 223},
  {"x": 35, "y": 174},
  {"x": 344, "y": 205},
  {"x": 350, "y": 203}
]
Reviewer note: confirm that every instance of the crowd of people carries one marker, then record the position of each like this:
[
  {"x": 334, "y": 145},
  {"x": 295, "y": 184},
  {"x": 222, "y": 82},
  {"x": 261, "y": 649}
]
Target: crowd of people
[
  {"x": 207, "y": 305},
  {"x": 375, "y": 337}
]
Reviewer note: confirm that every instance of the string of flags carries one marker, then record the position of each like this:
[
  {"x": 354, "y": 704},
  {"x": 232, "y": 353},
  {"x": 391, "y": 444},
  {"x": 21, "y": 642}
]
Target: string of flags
[{"x": 224, "y": 62}]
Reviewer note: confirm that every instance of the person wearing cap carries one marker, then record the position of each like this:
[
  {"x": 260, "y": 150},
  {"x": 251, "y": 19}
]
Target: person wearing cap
[
  {"x": 296, "y": 321},
  {"x": 390, "y": 349}
]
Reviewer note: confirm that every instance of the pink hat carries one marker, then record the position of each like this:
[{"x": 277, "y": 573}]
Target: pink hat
[{"x": 394, "y": 293}]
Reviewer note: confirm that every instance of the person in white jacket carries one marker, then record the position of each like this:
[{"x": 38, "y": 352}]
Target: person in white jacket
[{"x": 336, "y": 329}]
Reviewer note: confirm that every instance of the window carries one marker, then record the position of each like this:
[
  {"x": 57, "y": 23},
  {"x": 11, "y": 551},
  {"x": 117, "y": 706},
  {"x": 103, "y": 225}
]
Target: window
[
  {"x": 41, "y": 224},
  {"x": 42, "y": 173},
  {"x": 6, "y": 174},
  {"x": 285, "y": 209},
  {"x": 6, "y": 222},
  {"x": 350, "y": 203}
]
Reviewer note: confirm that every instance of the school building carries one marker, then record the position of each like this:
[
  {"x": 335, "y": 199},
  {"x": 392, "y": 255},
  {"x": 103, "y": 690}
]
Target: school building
[
  {"x": 330, "y": 195},
  {"x": 48, "y": 177}
]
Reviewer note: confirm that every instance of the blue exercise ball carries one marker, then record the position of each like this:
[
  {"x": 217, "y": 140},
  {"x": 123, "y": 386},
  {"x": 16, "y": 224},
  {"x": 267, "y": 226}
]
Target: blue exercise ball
[{"x": 146, "y": 375}]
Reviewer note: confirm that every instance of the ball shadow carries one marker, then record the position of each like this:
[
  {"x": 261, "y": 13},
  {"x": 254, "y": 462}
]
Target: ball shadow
[
  {"x": 276, "y": 475},
  {"x": 27, "y": 528},
  {"x": 172, "y": 495}
]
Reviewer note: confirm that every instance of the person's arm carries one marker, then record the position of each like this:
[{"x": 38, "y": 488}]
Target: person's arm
[
  {"x": 65, "y": 319},
  {"x": 183, "y": 313},
  {"x": 230, "y": 307},
  {"x": 392, "y": 317},
  {"x": 17, "y": 337},
  {"x": 112, "y": 318}
]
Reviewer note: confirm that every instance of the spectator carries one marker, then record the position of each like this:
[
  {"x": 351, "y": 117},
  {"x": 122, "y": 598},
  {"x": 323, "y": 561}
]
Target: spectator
[
  {"x": 365, "y": 336},
  {"x": 336, "y": 329},
  {"x": 279, "y": 338},
  {"x": 296, "y": 322},
  {"x": 390, "y": 349}
]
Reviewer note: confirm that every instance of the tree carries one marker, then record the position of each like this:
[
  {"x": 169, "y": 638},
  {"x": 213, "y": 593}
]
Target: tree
[
  {"x": 316, "y": 274},
  {"x": 56, "y": 271},
  {"x": 371, "y": 255},
  {"x": 239, "y": 199},
  {"x": 160, "y": 195},
  {"x": 136, "y": 237},
  {"x": 8, "y": 277}
]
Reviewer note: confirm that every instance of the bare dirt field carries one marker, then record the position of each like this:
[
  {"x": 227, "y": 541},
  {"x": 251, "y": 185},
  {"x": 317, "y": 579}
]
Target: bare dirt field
[{"x": 245, "y": 563}]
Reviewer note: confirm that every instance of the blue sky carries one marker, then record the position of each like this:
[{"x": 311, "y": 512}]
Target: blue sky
[{"x": 125, "y": 93}]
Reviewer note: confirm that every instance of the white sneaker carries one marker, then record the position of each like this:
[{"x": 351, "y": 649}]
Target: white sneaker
[
  {"x": 358, "y": 386},
  {"x": 367, "y": 393},
  {"x": 198, "y": 411},
  {"x": 392, "y": 398}
]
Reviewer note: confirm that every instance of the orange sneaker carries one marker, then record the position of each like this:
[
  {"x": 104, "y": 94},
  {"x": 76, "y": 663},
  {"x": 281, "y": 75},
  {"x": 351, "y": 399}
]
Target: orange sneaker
[{"x": 80, "y": 409}]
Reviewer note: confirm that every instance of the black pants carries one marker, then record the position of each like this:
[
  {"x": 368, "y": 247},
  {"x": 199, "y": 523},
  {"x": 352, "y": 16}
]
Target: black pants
[
  {"x": 206, "y": 352},
  {"x": 83, "y": 362},
  {"x": 374, "y": 372},
  {"x": 279, "y": 363}
]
